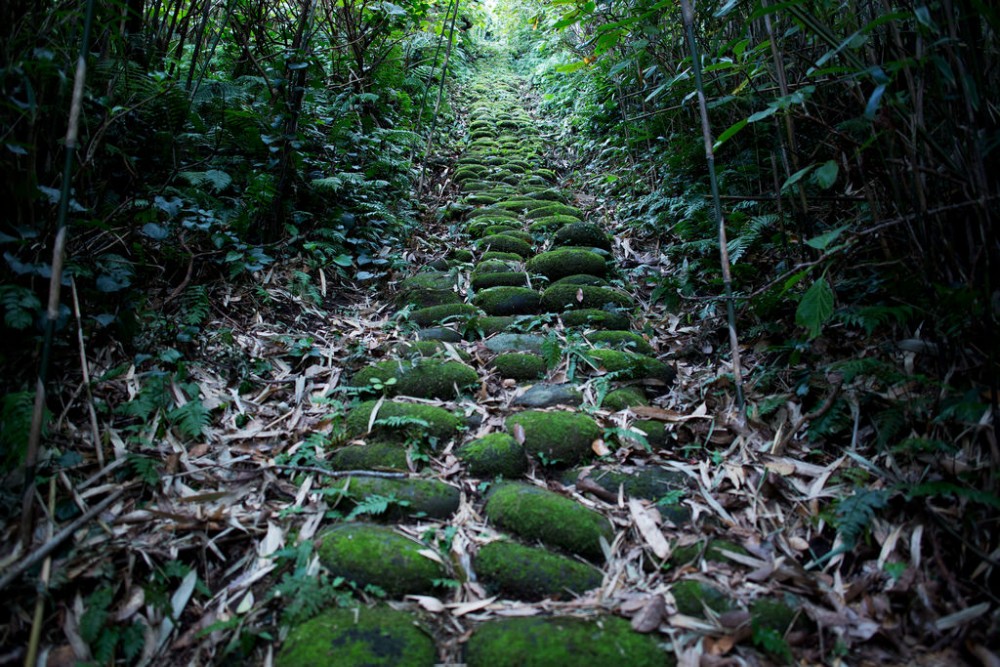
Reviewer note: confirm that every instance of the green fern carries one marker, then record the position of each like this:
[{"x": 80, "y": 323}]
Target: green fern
[
  {"x": 21, "y": 306},
  {"x": 191, "y": 419},
  {"x": 871, "y": 318},
  {"x": 15, "y": 425},
  {"x": 855, "y": 513},
  {"x": 196, "y": 305},
  {"x": 375, "y": 505}
]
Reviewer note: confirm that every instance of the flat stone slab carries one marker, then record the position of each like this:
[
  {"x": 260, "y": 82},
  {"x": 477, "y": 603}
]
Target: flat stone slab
[
  {"x": 515, "y": 342},
  {"x": 547, "y": 395},
  {"x": 350, "y": 637},
  {"x": 547, "y": 641}
]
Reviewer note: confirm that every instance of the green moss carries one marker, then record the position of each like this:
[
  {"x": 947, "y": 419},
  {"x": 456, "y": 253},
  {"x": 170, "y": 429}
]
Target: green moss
[
  {"x": 632, "y": 366},
  {"x": 496, "y": 454},
  {"x": 534, "y": 513},
  {"x": 367, "y": 554},
  {"x": 651, "y": 483},
  {"x": 619, "y": 399},
  {"x": 351, "y": 637},
  {"x": 420, "y": 378},
  {"x": 487, "y": 326},
  {"x": 504, "y": 243},
  {"x": 692, "y": 597},
  {"x": 562, "y": 438},
  {"x": 425, "y": 317},
  {"x": 656, "y": 432},
  {"x": 556, "y": 264},
  {"x": 582, "y": 234},
  {"x": 550, "y": 641},
  {"x": 710, "y": 551},
  {"x": 525, "y": 204},
  {"x": 573, "y": 297},
  {"x": 462, "y": 255},
  {"x": 427, "y": 348},
  {"x": 507, "y": 300},
  {"x": 621, "y": 340},
  {"x": 481, "y": 281},
  {"x": 529, "y": 573},
  {"x": 488, "y": 225},
  {"x": 503, "y": 256},
  {"x": 777, "y": 615},
  {"x": 494, "y": 266},
  {"x": 520, "y": 366},
  {"x": 427, "y": 289},
  {"x": 442, "y": 424},
  {"x": 508, "y": 230},
  {"x": 551, "y": 209},
  {"x": 547, "y": 174},
  {"x": 469, "y": 172},
  {"x": 595, "y": 319},
  {"x": 491, "y": 211},
  {"x": 438, "y": 333},
  {"x": 581, "y": 279},
  {"x": 551, "y": 223},
  {"x": 415, "y": 497},
  {"x": 375, "y": 455}
]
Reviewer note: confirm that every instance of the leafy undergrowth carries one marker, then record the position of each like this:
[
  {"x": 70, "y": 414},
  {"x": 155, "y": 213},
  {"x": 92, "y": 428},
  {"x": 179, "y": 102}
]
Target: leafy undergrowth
[{"x": 832, "y": 494}]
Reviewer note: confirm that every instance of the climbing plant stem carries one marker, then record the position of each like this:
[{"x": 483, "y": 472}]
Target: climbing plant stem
[{"x": 706, "y": 129}]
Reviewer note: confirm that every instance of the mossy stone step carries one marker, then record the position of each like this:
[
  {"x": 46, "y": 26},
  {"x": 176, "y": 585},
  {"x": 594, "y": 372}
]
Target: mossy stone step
[
  {"x": 551, "y": 209},
  {"x": 621, "y": 340},
  {"x": 515, "y": 342},
  {"x": 656, "y": 432},
  {"x": 414, "y": 497},
  {"x": 420, "y": 378},
  {"x": 492, "y": 212},
  {"x": 504, "y": 243},
  {"x": 481, "y": 281},
  {"x": 558, "y": 438},
  {"x": 376, "y": 454},
  {"x": 523, "y": 204},
  {"x": 550, "y": 641},
  {"x": 442, "y": 425},
  {"x": 692, "y": 597},
  {"x": 651, "y": 483},
  {"x": 632, "y": 365},
  {"x": 556, "y": 264},
  {"x": 427, "y": 289},
  {"x": 493, "y": 324},
  {"x": 582, "y": 234},
  {"x": 492, "y": 255},
  {"x": 595, "y": 318},
  {"x": 453, "y": 312},
  {"x": 520, "y": 366},
  {"x": 626, "y": 397},
  {"x": 428, "y": 348},
  {"x": 350, "y": 637},
  {"x": 494, "y": 455},
  {"x": 552, "y": 223},
  {"x": 368, "y": 554},
  {"x": 549, "y": 395},
  {"x": 507, "y": 301},
  {"x": 711, "y": 550},
  {"x": 495, "y": 266},
  {"x": 581, "y": 279},
  {"x": 534, "y": 513},
  {"x": 529, "y": 573},
  {"x": 442, "y": 334},
  {"x": 558, "y": 298}
]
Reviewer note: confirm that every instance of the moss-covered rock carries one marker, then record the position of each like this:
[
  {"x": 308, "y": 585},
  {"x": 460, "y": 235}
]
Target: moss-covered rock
[
  {"x": 351, "y": 637},
  {"x": 777, "y": 615},
  {"x": 507, "y": 300},
  {"x": 443, "y": 334},
  {"x": 594, "y": 318},
  {"x": 650, "y": 483},
  {"x": 502, "y": 256},
  {"x": 441, "y": 425},
  {"x": 621, "y": 340},
  {"x": 487, "y": 225},
  {"x": 711, "y": 550},
  {"x": 453, "y": 312},
  {"x": 481, "y": 199},
  {"x": 558, "y": 438},
  {"x": 495, "y": 266},
  {"x": 656, "y": 432},
  {"x": 505, "y": 243},
  {"x": 556, "y": 264},
  {"x": 549, "y": 395},
  {"x": 421, "y": 378},
  {"x": 585, "y": 234},
  {"x": 552, "y": 223},
  {"x": 481, "y": 281},
  {"x": 374, "y": 455},
  {"x": 374, "y": 555},
  {"x": 493, "y": 455},
  {"x": 413, "y": 497},
  {"x": 549, "y": 641},
  {"x": 632, "y": 365},
  {"x": 534, "y": 513},
  {"x": 524, "y": 204},
  {"x": 529, "y": 573},
  {"x": 520, "y": 366},
  {"x": 508, "y": 230},
  {"x": 470, "y": 171},
  {"x": 581, "y": 279},
  {"x": 551, "y": 209},
  {"x": 461, "y": 255},
  {"x": 692, "y": 597},
  {"x": 491, "y": 211},
  {"x": 427, "y": 289},
  {"x": 427, "y": 348},
  {"x": 487, "y": 326},
  {"x": 558, "y": 298},
  {"x": 515, "y": 342},
  {"x": 626, "y": 397}
]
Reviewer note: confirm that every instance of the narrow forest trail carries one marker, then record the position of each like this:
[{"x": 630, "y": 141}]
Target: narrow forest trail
[{"x": 541, "y": 500}]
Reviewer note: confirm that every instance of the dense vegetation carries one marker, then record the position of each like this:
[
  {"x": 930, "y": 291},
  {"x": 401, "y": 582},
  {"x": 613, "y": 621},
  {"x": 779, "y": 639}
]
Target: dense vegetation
[{"x": 231, "y": 154}]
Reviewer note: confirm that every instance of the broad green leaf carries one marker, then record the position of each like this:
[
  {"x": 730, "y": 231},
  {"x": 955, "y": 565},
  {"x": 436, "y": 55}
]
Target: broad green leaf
[
  {"x": 823, "y": 241},
  {"x": 343, "y": 260},
  {"x": 796, "y": 177},
  {"x": 815, "y": 308},
  {"x": 730, "y": 132},
  {"x": 826, "y": 174},
  {"x": 761, "y": 115}
]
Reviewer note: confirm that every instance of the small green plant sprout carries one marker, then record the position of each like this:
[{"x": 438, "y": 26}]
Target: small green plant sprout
[
  {"x": 378, "y": 385},
  {"x": 670, "y": 498},
  {"x": 546, "y": 461}
]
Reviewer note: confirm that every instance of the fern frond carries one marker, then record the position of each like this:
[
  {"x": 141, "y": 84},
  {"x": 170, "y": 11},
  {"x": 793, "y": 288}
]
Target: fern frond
[{"x": 855, "y": 513}]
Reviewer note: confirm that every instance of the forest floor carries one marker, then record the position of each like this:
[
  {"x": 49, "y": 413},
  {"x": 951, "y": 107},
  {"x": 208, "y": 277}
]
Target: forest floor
[{"x": 556, "y": 476}]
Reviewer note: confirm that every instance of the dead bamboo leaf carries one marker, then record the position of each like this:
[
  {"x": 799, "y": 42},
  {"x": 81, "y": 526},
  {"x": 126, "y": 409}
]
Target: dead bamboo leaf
[
  {"x": 646, "y": 522},
  {"x": 428, "y": 602},
  {"x": 463, "y": 608}
]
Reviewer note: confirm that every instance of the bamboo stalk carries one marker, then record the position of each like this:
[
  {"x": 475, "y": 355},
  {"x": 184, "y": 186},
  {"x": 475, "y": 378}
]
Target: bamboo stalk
[{"x": 706, "y": 128}]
